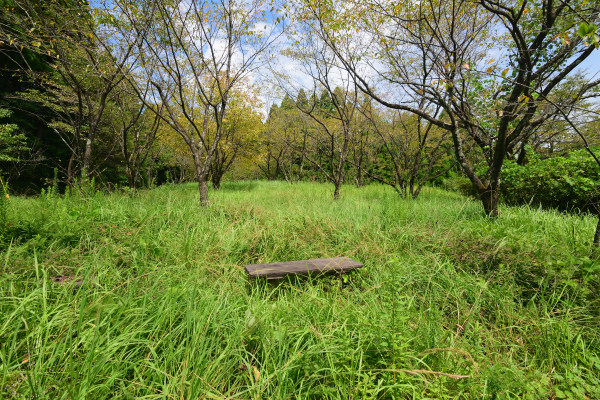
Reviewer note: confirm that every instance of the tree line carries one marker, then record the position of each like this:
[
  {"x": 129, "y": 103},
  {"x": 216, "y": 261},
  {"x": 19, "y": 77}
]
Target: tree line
[{"x": 139, "y": 92}]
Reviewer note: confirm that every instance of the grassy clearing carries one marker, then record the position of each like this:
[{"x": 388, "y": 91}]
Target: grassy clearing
[{"x": 450, "y": 305}]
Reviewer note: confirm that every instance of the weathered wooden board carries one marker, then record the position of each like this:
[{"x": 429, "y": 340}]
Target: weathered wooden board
[{"x": 279, "y": 270}]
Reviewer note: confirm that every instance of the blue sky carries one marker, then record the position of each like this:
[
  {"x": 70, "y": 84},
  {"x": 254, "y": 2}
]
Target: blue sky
[{"x": 592, "y": 64}]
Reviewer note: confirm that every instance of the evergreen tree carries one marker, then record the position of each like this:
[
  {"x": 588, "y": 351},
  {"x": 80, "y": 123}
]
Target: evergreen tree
[
  {"x": 287, "y": 103},
  {"x": 302, "y": 100},
  {"x": 325, "y": 102}
]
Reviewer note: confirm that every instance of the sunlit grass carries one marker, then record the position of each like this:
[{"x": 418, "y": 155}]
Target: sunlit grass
[{"x": 449, "y": 304}]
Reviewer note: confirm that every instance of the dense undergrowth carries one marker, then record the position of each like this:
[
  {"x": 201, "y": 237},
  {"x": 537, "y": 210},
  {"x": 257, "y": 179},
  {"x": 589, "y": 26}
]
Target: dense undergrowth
[
  {"x": 567, "y": 183},
  {"x": 143, "y": 294}
]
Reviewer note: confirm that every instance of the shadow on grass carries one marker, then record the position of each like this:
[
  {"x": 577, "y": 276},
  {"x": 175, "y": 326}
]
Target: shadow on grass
[
  {"x": 349, "y": 281},
  {"x": 17, "y": 233}
]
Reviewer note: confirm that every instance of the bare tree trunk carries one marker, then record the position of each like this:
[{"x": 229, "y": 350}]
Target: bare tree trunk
[
  {"x": 339, "y": 179},
  {"x": 596, "y": 242},
  {"x": 149, "y": 177},
  {"x": 336, "y": 192},
  {"x": 522, "y": 154},
  {"x": 216, "y": 178},
  {"x": 70, "y": 172},
  {"x": 489, "y": 200},
  {"x": 203, "y": 190},
  {"x": 130, "y": 176}
]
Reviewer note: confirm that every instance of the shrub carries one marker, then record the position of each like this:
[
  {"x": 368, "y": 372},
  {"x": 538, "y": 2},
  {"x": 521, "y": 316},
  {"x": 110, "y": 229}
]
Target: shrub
[
  {"x": 567, "y": 183},
  {"x": 460, "y": 184}
]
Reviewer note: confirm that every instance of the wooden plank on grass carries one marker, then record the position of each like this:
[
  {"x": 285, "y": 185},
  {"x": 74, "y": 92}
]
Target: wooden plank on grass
[{"x": 279, "y": 270}]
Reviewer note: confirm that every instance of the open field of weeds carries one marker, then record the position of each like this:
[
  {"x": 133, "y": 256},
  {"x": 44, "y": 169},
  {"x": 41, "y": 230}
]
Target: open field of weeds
[{"x": 143, "y": 295}]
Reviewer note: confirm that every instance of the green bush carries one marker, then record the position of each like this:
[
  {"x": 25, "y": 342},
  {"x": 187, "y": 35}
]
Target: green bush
[
  {"x": 460, "y": 184},
  {"x": 567, "y": 183}
]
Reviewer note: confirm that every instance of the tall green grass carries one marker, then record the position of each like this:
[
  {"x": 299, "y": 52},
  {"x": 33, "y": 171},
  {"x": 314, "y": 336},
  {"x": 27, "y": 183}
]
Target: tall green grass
[{"x": 153, "y": 301}]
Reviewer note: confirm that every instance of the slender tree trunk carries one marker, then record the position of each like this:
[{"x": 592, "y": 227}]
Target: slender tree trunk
[
  {"x": 70, "y": 170},
  {"x": 286, "y": 176},
  {"x": 149, "y": 177},
  {"x": 336, "y": 192},
  {"x": 596, "y": 243},
  {"x": 130, "y": 176},
  {"x": 216, "y": 180},
  {"x": 522, "y": 153},
  {"x": 299, "y": 176},
  {"x": 203, "y": 189},
  {"x": 87, "y": 157},
  {"x": 359, "y": 175},
  {"x": 489, "y": 200},
  {"x": 339, "y": 180},
  {"x": 415, "y": 192}
]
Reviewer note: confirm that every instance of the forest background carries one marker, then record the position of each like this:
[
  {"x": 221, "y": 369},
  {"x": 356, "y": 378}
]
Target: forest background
[{"x": 462, "y": 94}]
